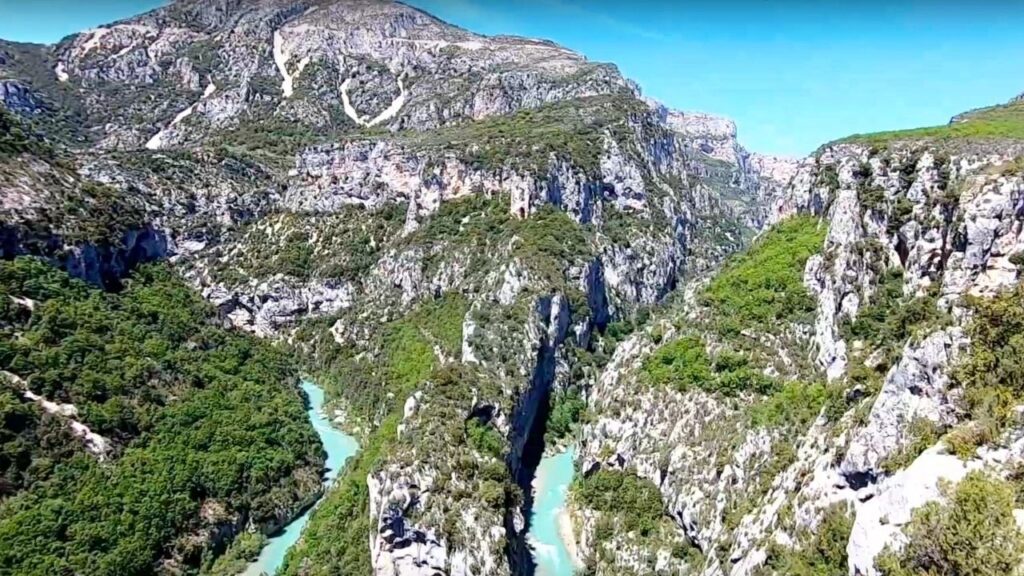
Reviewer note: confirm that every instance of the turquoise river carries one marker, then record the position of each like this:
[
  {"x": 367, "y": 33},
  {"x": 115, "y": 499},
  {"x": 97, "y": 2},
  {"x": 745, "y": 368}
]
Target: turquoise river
[
  {"x": 550, "y": 534},
  {"x": 339, "y": 447}
]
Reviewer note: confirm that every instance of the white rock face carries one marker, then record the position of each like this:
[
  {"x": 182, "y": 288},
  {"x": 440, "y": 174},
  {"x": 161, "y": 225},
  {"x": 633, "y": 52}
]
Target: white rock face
[
  {"x": 835, "y": 289},
  {"x": 880, "y": 519},
  {"x": 993, "y": 233},
  {"x": 267, "y": 307},
  {"x": 372, "y": 174},
  {"x": 716, "y": 137},
  {"x": 399, "y": 549},
  {"x": 372, "y": 50},
  {"x": 917, "y": 387}
]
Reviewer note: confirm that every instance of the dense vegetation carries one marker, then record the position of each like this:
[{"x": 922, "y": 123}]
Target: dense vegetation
[
  {"x": 402, "y": 356},
  {"x": 890, "y": 318},
  {"x": 794, "y": 404},
  {"x": 974, "y": 534},
  {"x": 76, "y": 209},
  {"x": 634, "y": 502},
  {"x": 684, "y": 364},
  {"x": 17, "y": 138},
  {"x": 762, "y": 287},
  {"x": 570, "y": 130},
  {"x": 244, "y": 550},
  {"x": 343, "y": 245},
  {"x": 480, "y": 227},
  {"x": 199, "y": 418},
  {"x": 567, "y": 410},
  {"x": 996, "y": 122}
]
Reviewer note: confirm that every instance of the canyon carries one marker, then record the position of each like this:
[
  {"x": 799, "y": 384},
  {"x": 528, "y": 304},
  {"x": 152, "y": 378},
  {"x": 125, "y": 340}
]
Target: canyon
[{"x": 569, "y": 328}]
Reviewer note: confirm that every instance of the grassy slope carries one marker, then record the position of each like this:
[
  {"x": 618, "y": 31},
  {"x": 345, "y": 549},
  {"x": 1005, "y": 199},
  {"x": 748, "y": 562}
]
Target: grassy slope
[{"x": 996, "y": 122}]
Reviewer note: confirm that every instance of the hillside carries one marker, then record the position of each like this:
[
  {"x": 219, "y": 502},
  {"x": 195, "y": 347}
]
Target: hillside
[
  {"x": 1001, "y": 123},
  {"x": 484, "y": 249}
]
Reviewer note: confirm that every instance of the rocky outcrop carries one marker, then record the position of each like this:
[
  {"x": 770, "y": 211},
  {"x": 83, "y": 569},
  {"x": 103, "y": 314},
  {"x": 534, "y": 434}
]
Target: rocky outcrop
[
  {"x": 950, "y": 222},
  {"x": 267, "y": 308},
  {"x": 102, "y": 264},
  {"x": 763, "y": 177},
  {"x": 917, "y": 387},
  {"x": 19, "y": 98},
  {"x": 879, "y": 520}
]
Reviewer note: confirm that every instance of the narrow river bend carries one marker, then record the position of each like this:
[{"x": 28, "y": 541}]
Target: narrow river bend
[{"x": 339, "y": 447}]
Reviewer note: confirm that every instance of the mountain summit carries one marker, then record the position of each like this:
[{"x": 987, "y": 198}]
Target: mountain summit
[{"x": 361, "y": 64}]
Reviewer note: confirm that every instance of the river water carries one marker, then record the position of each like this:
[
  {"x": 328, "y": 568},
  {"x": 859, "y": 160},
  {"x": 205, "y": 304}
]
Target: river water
[
  {"x": 550, "y": 533},
  {"x": 548, "y": 523},
  {"x": 339, "y": 447}
]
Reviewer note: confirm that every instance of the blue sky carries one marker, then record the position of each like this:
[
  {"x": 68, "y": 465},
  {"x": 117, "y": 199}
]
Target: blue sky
[{"x": 792, "y": 73}]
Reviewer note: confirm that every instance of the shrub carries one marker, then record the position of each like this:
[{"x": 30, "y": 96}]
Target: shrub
[
  {"x": 570, "y": 130},
  {"x": 681, "y": 364},
  {"x": 828, "y": 177},
  {"x": 965, "y": 439},
  {"x": 975, "y": 534},
  {"x": 821, "y": 552},
  {"x": 484, "y": 439},
  {"x": 992, "y": 374},
  {"x": 872, "y": 198},
  {"x": 797, "y": 404},
  {"x": 567, "y": 409},
  {"x": 16, "y": 137},
  {"x": 890, "y": 318},
  {"x": 997, "y": 336},
  {"x": 901, "y": 213},
  {"x": 921, "y": 435}
]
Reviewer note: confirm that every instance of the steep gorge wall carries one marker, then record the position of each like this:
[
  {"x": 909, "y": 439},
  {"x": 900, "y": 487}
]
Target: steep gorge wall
[{"x": 949, "y": 221}]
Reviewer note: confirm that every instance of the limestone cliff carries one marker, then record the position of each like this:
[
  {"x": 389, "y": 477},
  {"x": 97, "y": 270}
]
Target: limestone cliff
[{"x": 916, "y": 229}]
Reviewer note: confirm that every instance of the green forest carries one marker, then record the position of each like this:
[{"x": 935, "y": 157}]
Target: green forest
[{"x": 206, "y": 426}]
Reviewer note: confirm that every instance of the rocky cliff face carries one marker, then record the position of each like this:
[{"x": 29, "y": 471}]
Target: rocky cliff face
[
  {"x": 911, "y": 225},
  {"x": 328, "y": 66}
]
